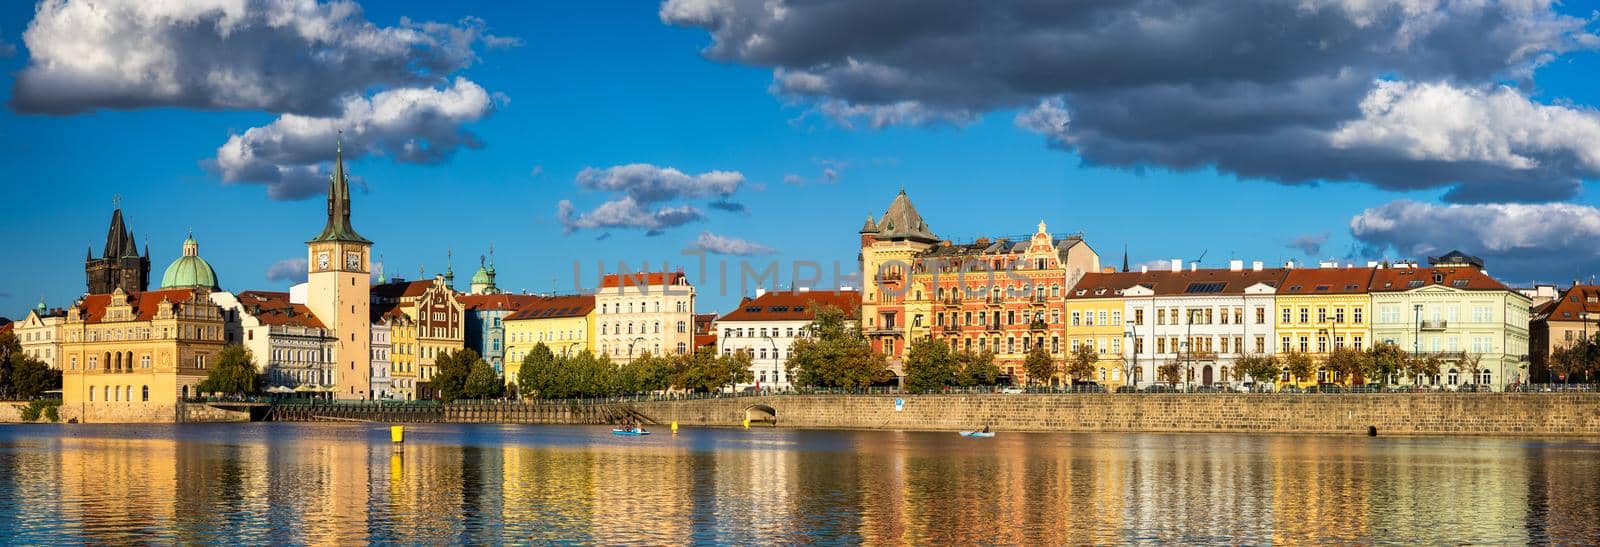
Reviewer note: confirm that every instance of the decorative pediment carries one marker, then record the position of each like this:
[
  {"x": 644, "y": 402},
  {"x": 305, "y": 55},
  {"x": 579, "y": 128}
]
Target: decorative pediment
[{"x": 1261, "y": 288}]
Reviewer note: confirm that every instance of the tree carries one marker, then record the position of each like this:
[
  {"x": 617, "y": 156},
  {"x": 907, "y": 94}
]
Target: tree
[
  {"x": 536, "y": 372},
  {"x": 704, "y": 370},
  {"x": 10, "y": 351},
  {"x": 1261, "y": 368},
  {"x": 1169, "y": 372},
  {"x": 1080, "y": 363},
  {"x": 835, "y": 355},
  {"x": 978, "y": 369},
  {"x": 31, "y": 377},
  {"x": 483, "y": 382},
  {"x": 1348, "y": 362},
  {"x": 1423, "y": 366},
  {"x": 451, "y": 370},
  {"x": 1385, "y": 360},
  {"x": 646, "y": 374},
  {"x": 1472, "y": 364},
  {"x": 1299, "y": 365},
  {"x": 234, "y": 373},
  {"x": 930, "y": 366},
  {"x": 1039, "y": 365}
]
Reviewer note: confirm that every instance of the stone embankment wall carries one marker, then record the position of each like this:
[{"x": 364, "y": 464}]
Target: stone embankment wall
[{"x": 1393, "y": 414}]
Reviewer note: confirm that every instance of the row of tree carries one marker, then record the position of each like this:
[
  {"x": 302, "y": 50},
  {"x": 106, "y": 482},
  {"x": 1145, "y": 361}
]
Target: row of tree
[
  {"x": 545, "y": 375},
  {"x": 21, "y": 375},
  {"x": 1375, "y": 365}
]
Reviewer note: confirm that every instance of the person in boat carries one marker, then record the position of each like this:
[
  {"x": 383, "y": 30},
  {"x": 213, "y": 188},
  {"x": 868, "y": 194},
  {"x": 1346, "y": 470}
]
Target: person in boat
[{"x": 986, "y": 428}]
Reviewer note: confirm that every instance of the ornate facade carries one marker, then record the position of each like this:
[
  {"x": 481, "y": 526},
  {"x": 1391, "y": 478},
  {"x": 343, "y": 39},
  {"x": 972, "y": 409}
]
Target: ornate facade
[
  {"x": 133, "y": 357},
  {"x": 645, "y": 312}
]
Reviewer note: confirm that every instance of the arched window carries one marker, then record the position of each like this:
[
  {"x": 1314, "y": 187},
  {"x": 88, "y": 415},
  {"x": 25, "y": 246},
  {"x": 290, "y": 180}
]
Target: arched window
[
  {"x": 1453, "y": 377},
  {"x": 630, "y": 328},
  {"x": 658, "y": 327},
  {"x": 144, "y": 361},
  {"x": 91, "y": 393}
]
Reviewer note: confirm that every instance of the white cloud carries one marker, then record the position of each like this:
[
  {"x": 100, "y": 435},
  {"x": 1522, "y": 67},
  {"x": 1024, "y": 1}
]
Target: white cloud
[
  {"x": 1049, "y": 118},
  {"x": 409, "y": 125},
  {"x": 297, "y": 56},
  {"x": 642, "y": 190},
  {"x": 292, "y": 270},
  {"x": 647, "y": 183},
  {"x": 1519, "y": 242},
  {"x": 1497, "y": 125},
  {"x": 724, "y": 245}
]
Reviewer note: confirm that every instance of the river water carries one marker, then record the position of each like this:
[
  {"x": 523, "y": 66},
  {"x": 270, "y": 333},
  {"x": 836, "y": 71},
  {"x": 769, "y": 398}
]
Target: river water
[{"x": 346, "y": 484}]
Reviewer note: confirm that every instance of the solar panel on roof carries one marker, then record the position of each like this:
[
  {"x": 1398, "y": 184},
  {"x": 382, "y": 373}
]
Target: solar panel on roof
[{"x": 1205, "y": 287}]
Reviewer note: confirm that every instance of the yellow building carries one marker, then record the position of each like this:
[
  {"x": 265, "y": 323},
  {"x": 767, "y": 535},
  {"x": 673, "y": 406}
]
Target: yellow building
[
  {"x": 439, "y": 321},
  {"x": 132, "y": 358},
  {"x": 1320, "y": 309},
  {"x": 565, "y": 324},
  {"x": 338, "y": 280},
  {"x": 402, "y": 351},
  {"x": 1094, "y": 317}
]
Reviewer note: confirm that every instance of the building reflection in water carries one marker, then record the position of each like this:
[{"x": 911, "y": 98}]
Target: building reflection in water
[{"x": 345, "y": 484}]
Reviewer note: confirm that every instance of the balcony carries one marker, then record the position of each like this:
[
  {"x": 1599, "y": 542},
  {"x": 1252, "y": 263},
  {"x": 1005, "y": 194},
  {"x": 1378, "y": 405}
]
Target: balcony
[
  {"x": 952, "y": 302},
  {"x": 1434, "y": 325},
  {"x": 992, "y": 326},
  {"x": 951, "y": 329},
  {"x": 889, "y": 278},
  {"x": 1038, "y": 326},
  {"x": 1036, "y": 300},
  {"x": 890, "y": 330},
  {"x": 994, "y": 301}
]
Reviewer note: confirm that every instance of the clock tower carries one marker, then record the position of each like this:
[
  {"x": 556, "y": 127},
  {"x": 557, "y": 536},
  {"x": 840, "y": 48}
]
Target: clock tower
[{"x": 339, "y": 282}]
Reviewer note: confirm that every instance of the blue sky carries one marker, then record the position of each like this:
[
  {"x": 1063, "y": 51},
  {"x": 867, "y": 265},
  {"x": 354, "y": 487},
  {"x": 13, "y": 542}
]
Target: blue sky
[{"x": 575, "y": 86}]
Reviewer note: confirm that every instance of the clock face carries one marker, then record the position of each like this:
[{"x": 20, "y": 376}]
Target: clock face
[
  {"x": 322, "y": 260},
  {"x": 352, "y": 261}
]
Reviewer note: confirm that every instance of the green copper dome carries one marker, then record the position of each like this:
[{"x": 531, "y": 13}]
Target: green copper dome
[
  {"x": 482, "y": 277},
  {"x": 189, "y": 270}
]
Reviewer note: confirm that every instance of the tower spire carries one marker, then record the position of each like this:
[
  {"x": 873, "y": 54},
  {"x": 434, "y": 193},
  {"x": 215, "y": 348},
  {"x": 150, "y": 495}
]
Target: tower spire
[
  {"x": 1124, "y": 257},
  {"x": 338, "y": 227}
]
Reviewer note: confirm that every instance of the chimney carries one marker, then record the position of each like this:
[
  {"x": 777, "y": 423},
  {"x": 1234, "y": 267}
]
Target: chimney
[
  {"x": 760, "y": 291},
  {"x": 1289, "y": 264},
  {"x": 1144, "y": 269},
  {"x": 1235, "y": 265},
  {"x": 1372, "y": 263},
  {"x": 1256, "y": 265},
  {"x": 1177, "y": 264},
  {"x": 1194, "y": 266}
]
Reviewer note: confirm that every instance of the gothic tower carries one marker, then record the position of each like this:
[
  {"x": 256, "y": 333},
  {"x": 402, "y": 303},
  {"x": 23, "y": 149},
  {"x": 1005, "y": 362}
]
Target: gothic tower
[
  {"x": 120, "y": 266},
  {"x": 339, "y": 280}
]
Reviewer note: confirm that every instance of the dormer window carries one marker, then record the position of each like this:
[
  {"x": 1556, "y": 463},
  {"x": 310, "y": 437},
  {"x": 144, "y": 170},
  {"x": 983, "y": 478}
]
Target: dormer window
[{"x": 1438, "y": 278}]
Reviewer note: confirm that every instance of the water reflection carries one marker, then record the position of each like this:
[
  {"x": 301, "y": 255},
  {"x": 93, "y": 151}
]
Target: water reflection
[{"x": 345, "y": 484}]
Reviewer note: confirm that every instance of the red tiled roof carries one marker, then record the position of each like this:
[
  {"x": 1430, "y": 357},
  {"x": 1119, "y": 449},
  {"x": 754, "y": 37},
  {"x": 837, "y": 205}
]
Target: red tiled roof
[
  {"x": 273, "y": 308},
  {"x": 1465, "y": 278},
  {"x": 495, "y": 301},
  {"x": 611, "y": 281},
  {"x": 794, "y": 305},
  {"x": 145, "y": 304},
  {"x": 705, "y": 340},
  {"x": 1326, "y": 281},
  {"x": 5, "y": 328},
  {"x": 1201, "y": 282},
  {"x": 1573, "y": 301},
  {"x": 550, "y": 307},
  {"x": 401, "y": 289}
]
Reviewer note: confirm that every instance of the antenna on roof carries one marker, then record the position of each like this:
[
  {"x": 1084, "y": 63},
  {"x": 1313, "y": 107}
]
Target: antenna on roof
[{"x": 1202, "y": 256}]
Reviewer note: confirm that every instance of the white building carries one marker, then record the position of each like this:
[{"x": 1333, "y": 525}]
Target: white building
[
  {"x": 40, "y": 334},
  {"x": 645, "y": 312},
  {"x": 381, "y": 346},
  {"x": 1200, "y": 319},
  {"x": 291, "y": 346},
  {"x": 767, "y": 325}
]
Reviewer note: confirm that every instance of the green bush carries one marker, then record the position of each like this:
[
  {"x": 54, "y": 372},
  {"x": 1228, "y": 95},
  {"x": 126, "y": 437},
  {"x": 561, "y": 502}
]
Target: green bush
[
  {"x": 53, "y": 413},
  {"x": 47, "y": 408},
  {"x": 31, "y": 412}
]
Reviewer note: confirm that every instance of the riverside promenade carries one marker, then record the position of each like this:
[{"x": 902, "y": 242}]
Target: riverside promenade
[{"x": 1492, "y": 414}]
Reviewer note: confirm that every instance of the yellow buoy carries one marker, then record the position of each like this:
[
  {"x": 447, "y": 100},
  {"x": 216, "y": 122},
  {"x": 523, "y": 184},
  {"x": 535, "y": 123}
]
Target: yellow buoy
[
  {"x": 747, "y": 423},
  {"x": 674, "y": 426},
  {"x": 397, "y": 433}
]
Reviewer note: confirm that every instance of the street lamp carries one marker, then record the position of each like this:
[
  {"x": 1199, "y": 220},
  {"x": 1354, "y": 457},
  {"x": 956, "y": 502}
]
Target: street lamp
[
  {"x": 630, "y": 346},
  {"x": 1133, "y": 342}
]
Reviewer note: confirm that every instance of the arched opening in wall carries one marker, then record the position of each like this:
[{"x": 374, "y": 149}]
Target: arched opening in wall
[
  {"x": 1205, "y": 376},
  {"x": 761, "y": 414}
]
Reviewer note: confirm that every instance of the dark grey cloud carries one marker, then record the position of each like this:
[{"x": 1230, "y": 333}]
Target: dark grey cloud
[
  {"x": 1292, "y": 92},
  {"x": 729, "y": 206},
  {"x": 1519, "y": 243},
  {"x": 282, "y": 56},
  {"x": 292, "y": 270},
  {"x": 1310, "y": 244}
]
